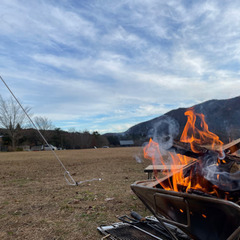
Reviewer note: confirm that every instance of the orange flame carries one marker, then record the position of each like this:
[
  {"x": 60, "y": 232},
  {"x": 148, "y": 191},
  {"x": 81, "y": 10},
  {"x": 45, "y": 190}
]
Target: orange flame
[{"x": 192, "y": 135}]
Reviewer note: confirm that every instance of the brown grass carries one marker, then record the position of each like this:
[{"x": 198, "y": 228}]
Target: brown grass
[{"x": 36, "y": 202}]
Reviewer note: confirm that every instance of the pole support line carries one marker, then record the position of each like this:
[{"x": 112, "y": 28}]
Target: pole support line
[{"x": 66, "y": 173}]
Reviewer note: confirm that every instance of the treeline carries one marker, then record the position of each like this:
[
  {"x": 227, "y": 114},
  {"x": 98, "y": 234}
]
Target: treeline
[
  {"x": 15, "y": 135},
  {"x": 57, "y": 137}
]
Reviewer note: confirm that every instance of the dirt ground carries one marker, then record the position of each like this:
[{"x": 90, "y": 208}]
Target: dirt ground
[{"x": 37, "y": 203}]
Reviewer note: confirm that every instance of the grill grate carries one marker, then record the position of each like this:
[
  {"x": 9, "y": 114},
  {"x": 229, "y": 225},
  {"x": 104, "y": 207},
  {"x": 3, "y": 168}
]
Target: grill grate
[
  {"x": 129, "y": 232},
  {"x": 140, "y": 231},
  {"x": 147, "y": 229}
]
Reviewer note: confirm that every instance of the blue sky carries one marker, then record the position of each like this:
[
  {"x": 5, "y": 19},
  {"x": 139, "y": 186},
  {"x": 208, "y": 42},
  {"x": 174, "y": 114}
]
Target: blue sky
[{"x": 106, "y": 65}]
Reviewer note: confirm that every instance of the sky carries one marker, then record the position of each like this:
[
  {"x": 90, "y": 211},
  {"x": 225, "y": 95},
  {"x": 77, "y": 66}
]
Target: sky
[{"x": 106, "y": 65}]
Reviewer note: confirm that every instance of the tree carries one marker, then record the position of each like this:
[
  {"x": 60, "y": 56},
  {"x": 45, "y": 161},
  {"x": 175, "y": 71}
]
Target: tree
[
  {"x": 57, "y": 137},
  {"x": 12, "y": 117},
  {"x": 43, "y": 123},
  {"x": 113, "y": 140}
]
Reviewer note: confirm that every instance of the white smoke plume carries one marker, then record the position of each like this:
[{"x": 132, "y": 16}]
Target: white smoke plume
[
  {"x": 226, "y": 176},
  {"x": 164, "y": 132}
]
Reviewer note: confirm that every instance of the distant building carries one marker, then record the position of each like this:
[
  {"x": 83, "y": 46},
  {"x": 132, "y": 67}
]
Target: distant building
[
  {"x": 26, "y": 148},
  {"x": 36, "y": 148},
  {"x": 126, "y": 143}
]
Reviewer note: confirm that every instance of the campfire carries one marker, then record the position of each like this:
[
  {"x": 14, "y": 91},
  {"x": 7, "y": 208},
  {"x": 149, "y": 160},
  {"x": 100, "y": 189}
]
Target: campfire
[
  {"x": 203, "y": 197},
  {"x": 212, "y": 172},
  {"x": 200, "y": 200}
]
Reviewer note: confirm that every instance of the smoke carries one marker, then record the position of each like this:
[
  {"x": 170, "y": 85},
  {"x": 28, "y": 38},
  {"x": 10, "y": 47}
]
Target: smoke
[
  {"x": 163, "y": 132},
  {"x": 226, "y": 176},
  {"x": 138, "y": 159}
]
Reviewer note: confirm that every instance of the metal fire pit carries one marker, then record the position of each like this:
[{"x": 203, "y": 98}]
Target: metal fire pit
[{"x": 200, "y": 217}]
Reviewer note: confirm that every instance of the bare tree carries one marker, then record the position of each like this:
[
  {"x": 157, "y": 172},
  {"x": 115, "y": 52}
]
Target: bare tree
[
  {"x": 12, "y": 117},
  {"x": 43, "y": 123}
]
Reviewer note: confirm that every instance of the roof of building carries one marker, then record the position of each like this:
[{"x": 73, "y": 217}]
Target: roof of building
[{"x": 126, "y": 142}]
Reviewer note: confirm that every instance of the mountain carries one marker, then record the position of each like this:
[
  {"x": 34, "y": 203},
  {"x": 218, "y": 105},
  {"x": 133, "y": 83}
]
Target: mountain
[{"x": 222, "y": 117}]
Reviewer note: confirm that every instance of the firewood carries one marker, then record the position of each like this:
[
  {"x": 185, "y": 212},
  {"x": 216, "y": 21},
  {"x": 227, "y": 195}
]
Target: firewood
[
  {"x": 185, "y": 149},
  {"x": 235, "y": 168}
]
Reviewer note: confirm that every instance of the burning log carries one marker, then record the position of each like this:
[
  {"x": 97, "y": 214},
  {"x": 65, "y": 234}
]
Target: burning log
[
  {"x": 185, "y": 149},
  {"x": 225, "y": 173},
  {"x": 232, "y": 147}
]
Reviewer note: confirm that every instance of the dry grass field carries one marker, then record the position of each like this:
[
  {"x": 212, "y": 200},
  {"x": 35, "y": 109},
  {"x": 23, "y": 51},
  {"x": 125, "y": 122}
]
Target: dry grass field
[{"x": 37, "y": 203}]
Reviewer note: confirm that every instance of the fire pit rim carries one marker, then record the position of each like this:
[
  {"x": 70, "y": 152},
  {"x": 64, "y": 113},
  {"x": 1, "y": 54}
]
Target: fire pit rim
[{"x": 180, "y": 194}]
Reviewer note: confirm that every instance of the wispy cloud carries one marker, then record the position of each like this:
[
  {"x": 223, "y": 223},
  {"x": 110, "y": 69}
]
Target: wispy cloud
[{"x": 107, "y": 65}]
